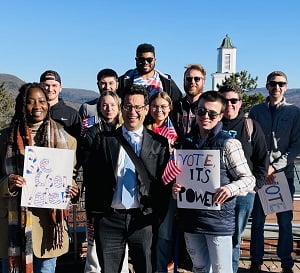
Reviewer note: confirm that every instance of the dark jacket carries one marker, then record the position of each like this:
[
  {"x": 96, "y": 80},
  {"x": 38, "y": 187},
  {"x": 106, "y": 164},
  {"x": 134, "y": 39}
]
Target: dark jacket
[
  {"x": 169, "y": 85},
  {"x": 68, "y": 117},
  {"x": 101, "y": 179},
  {"x": 282, "y": 133},
  {"x": 183, "y": 116},
  {"x": 255, "y": 149},
  {"x": 214, "y": 222}
]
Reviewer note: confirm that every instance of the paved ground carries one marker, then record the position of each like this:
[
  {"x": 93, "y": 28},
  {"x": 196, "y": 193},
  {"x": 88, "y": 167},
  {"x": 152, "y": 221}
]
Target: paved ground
[{"x": 69, "y": 265}]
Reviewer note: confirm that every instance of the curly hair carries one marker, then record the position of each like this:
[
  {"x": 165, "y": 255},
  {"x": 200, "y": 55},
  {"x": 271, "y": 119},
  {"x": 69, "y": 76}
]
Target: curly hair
[{"x": 20, "y": 123}]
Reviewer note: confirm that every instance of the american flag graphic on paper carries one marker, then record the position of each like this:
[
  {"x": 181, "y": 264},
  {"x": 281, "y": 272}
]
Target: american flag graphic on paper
[{"x": 87, "y": 123}]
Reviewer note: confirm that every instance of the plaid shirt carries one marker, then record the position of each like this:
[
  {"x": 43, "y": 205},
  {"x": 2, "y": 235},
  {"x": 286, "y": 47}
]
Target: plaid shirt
[{"x": 236, "y": 163}]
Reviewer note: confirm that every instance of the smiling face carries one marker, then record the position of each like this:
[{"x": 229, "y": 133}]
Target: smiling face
[
  {"x": 36, "y": 105},
  {"x": 109, "y": 108},
  {"x": 194, "y": 82},
  {"x": 134, "y": 118},
  {"x": 159, "y": 110},
  {"x": 145, "y": 63},
  {"x": 206, "y": 123},
  {"x": 233, "y": 104},
  {"x": 277, "y": 86},
  {"x": 53, "y": 88}
]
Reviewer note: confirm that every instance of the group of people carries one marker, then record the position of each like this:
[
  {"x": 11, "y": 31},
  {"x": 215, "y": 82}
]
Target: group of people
[{"x": 125, "y": 141}]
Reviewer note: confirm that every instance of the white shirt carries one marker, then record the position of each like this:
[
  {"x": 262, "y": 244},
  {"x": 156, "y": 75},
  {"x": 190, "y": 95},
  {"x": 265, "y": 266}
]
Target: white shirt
[{"x": 117, "y": 198}]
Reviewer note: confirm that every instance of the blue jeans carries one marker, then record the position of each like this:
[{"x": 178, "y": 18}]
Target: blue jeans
[
  {"x": 4, "y": 265},
  {"x": 44, "y": 265},
  {"x": 209, "y": 252},
  {"x": 165, "y": 239},
  {"x": 285, "y": 238},
  {"x": 243, "y": 208}
]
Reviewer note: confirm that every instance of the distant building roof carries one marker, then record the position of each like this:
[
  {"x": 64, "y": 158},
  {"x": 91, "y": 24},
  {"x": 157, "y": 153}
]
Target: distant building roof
[{"x": 227, "y": 43}]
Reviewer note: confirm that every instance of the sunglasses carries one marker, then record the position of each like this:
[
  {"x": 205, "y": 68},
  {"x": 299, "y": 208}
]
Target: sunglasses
[
  {"x": 232, "y": 101},
  {"x": 196, "y": 79},
  {"x": 201, "y": 111},
  {"x": 142, "y": 60},
  {"x": 274, "y": 83}
]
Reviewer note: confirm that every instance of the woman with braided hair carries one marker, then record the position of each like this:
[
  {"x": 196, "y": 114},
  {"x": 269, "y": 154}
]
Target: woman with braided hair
[{"x": 31, "y": 238}]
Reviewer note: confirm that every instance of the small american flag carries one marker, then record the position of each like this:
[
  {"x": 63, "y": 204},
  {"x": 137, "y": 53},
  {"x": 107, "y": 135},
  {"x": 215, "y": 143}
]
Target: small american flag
[
  {"x": 87, "y": 123},
  {"x": 171, "y": 170},
  {"x": 168, "y": 131}
]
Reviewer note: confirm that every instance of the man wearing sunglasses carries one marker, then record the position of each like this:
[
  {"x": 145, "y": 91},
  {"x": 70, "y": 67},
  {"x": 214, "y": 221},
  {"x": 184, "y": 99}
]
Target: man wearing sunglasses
[
  {"x": 183, "y": 113},
  {"x": 208, "y": 233},
  {"x": 146, "y": 74},
  {"x": 280, "y": 122},
  {"x": 255, "y": 149}
]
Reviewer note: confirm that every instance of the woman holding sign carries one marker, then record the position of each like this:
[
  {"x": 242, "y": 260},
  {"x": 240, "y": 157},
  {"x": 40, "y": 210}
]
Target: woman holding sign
[
  {"x": 31, "y": 238},
  {"x": 208, "y": 231}
]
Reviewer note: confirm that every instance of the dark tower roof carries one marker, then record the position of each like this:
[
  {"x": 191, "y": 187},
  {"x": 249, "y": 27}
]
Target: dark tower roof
[{"x": 226, "y": 43}]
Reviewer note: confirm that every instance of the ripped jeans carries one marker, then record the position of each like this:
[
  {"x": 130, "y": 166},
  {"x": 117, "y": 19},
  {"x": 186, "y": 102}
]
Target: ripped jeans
[{"x": 209, "y": 253}]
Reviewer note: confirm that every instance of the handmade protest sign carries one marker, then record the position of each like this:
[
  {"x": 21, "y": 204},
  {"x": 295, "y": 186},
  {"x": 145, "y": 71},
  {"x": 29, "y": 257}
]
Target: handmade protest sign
[
  {"x": 48, "y": 173},
  {"x": 200, "y": 178},
  {"x": 276, "y": 197}
]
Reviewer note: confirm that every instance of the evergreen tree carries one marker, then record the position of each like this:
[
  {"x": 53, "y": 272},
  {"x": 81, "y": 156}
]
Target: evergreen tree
[
  {"x": 6, "y": 107},
  {"x": 246, "y": 82}
]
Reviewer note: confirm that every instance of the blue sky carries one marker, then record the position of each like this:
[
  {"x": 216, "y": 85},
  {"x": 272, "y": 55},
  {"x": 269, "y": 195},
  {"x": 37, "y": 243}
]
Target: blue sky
[{"x": 78, "y": 38}]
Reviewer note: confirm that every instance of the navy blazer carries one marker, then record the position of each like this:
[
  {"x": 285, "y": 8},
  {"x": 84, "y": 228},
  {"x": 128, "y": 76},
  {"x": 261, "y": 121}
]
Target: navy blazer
[{"x": 101, "y": 172}]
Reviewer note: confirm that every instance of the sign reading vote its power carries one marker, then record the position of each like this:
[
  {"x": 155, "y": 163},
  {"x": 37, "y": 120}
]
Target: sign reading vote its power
[{"x": 200, "y": 178}]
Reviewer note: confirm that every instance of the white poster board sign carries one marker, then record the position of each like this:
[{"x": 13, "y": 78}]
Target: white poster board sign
[
  {"x": 48, "y": 173},
  {"x": 200, "y": 178},
  {"x": 276, "y": 197}
]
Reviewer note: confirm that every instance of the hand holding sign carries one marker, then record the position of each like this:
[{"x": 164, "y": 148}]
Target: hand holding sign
[{"x": 196, "y": 185}]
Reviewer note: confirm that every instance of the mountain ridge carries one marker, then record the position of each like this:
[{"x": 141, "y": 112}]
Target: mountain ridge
[{"x": 76, "y": 96}]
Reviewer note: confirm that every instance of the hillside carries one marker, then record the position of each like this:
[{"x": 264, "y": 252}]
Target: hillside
[
  {"x": 72, "y": 96},
  {"x": 75, "y": 97}
]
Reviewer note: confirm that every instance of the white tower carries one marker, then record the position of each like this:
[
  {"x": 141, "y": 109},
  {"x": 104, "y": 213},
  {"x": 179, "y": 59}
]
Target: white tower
[{"x": 226, "y": 65}]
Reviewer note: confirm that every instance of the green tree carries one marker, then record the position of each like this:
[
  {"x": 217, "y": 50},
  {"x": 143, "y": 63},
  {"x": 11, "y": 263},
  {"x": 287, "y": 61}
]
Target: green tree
[
  {"x": 6, "y": 107},
  {"x": 246, "y": 82}
]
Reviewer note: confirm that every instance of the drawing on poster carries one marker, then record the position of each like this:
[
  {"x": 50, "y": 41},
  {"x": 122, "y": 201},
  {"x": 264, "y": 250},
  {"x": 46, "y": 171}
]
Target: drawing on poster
[
  {"x": 48, "y": 173},
  {"x": 276, "y": 197},
  {"x": 200, "y": 178}
]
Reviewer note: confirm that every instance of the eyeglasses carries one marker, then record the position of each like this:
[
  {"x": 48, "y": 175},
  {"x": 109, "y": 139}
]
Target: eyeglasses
[
  {"x": 196, "y": 79},
  {"x": 201, "y": 111},
  {"x": 142, "y": 60},
  {"x": 233, "y": 100},
  {"x": 137, "y": 108},
  {"x": 274, "y": 83},
  {"x": 162, "y": 107}
]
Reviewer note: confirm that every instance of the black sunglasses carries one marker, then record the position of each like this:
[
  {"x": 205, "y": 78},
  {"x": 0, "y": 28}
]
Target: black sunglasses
[
  {"x": 190, "y": 79},
  {"x": 233, "y": 101},
  {"x": 201, "y": 111},
  {"x": 274, "y": 83},
  {"x": 142, "y": 60}
]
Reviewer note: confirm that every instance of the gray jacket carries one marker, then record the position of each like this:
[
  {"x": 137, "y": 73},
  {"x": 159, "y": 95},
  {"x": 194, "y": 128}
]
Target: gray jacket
[{"x": 282, "y": 132}]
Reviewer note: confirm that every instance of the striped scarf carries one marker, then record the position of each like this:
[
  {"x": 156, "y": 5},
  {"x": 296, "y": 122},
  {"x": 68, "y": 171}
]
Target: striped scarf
[{"x": 20, "y": 254}]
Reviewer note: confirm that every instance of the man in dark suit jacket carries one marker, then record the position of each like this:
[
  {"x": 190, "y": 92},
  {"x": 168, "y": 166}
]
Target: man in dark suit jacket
[{"x": 118, "y": 220}]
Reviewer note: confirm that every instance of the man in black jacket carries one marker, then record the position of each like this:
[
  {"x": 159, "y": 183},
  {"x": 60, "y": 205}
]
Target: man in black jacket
[
  {"x": 59, "y": 111},
  {"x": 146, "y": 74},
  {"x": 183, "y": 114},
  {"x": 124, "y": 191},
  {"x": 250, "y": 134}
]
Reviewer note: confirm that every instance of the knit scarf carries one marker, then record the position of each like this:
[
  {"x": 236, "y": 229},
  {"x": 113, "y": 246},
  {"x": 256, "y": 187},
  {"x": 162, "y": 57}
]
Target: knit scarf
[{"x": 20, "y": 253}]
